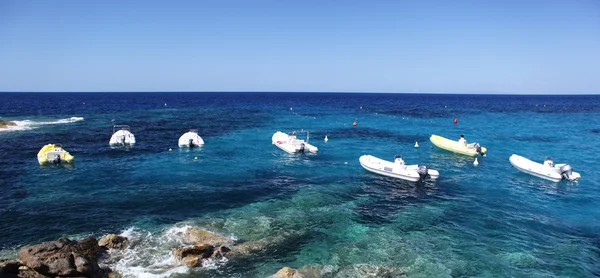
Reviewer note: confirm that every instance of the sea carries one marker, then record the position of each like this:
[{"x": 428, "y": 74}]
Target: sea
[{"x": 488, "y": 220}]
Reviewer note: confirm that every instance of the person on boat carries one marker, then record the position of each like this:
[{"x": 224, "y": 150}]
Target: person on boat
[
  {"x": 462, "y": 139},
  {"x": 548, "y": 162},
  {"x": 398, "y": 160},
  {"x": 191, "y": 143}
]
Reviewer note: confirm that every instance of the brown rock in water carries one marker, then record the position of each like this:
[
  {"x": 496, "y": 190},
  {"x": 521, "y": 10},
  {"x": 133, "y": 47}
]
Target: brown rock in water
[
  {"x": 287, "y": 272},
  {"x": 113, "y": 241},
  {"x": 64, "y": 257},
  {"x": 199, "y": 236},
  {"x": 220, "y": 252},
  {"x": 200, "y": 251},
  {"x": 5, "y": 124},
  {"x": 191, "y": 261}
]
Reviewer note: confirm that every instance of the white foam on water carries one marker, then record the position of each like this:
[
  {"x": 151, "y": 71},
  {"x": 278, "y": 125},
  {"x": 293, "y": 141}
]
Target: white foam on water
[
  {"x": 29, "y": 124},
  {"x": 213, "y": 264},
  {"x": 150, "y": 255}
]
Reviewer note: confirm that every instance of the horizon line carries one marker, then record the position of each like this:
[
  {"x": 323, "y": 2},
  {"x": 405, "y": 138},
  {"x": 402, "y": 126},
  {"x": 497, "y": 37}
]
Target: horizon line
[{"x": 306, "y": 92}]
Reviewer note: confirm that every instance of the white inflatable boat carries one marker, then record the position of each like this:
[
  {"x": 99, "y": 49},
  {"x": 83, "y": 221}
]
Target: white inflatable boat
[
  {"x": 397, "y": 169},
  {"x": 122, "y": 137},
  {"x": 548, "y": 170},
  {"x": 291, "y": 144},
  {"x": 191, "y": 139}
]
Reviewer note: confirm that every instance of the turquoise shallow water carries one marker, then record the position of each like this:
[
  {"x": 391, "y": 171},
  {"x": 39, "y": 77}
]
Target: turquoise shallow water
[{"x": 484, "y": 221}]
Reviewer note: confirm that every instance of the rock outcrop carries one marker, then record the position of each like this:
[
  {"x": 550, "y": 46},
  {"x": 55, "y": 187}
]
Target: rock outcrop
[
  {"x": 193, "y": 256},
  {"x": 64, "y": 257},
  {"x": 199, "y": 236},
  {"x": 5, "y": 124},
  {"x": 113, "y": 241},
  {"x": 202, "y": 251},
  {"x": 9, "y": 268}
]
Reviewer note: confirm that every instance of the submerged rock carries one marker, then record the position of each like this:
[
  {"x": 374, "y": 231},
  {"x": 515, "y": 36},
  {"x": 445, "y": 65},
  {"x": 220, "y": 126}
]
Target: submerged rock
[
  {"x": 308, "y": 271},
  {"x": 263, "y": 245},
  {"x": 5, "y": 124},
  {"x": 199, "y": 236},
  {"x": 287, "y": 272},
  {"x": 113, "y": 241},
  {"x": 64, "y": 257},
  {"x": 368, "y": 270},
  {"x": 318, "y": 271}
]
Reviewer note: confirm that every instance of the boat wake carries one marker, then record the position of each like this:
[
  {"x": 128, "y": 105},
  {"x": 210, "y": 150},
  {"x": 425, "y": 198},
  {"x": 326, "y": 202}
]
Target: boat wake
[{"x": 29, "y": 124}]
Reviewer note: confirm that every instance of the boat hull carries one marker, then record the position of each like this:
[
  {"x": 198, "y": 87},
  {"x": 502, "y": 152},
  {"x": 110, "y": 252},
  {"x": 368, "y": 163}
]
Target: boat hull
[
  {"x": 389, "y": 169},
  {"x": 122, "y": 138},
  {"x": 454, "y": 146},
  {"x": 291, "y": 144},
  {"x": 184, "y": 140},
  {"x": 539, "y": 170}
]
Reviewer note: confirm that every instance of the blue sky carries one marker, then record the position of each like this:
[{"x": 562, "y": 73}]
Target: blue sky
[{"x": 530, "y": 46}]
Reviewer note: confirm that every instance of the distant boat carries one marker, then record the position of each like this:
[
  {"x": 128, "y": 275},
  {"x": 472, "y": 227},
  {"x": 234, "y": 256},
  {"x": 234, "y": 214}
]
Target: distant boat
[
  {"x": 122, "y": 137},
  {"x": 191, "y": 139},
  {"x": 54, "y": 154},
  {"x": 291, "y": 144}
]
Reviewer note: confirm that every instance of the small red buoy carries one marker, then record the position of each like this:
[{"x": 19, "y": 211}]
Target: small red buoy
[
  {"x": 455, "y": 120},
  {"x": 354, "y": 124}
]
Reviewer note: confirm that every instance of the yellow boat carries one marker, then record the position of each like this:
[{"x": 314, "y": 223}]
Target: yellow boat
[
  {"x": 54, "y": 153},
  {"x": 453, "y": 146}
]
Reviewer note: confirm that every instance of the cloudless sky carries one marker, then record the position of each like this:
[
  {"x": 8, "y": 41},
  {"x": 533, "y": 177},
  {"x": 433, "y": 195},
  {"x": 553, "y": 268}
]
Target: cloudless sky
[{"x": 459, "y": 46}]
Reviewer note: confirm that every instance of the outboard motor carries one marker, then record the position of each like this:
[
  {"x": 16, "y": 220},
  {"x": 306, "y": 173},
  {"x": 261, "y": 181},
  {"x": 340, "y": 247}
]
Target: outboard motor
[
  {"x": 478, "y": 148},
  {"x": 191, "y": 143},
  {"x": 301, "y": 148},
  {"x": 422, "y": 171},
  {"x": 55, "y": 158},
  {"x": 566, "y": 171},
  {"x": 123, "y": 139}
]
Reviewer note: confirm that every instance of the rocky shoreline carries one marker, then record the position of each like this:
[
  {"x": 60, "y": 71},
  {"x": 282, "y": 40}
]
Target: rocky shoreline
[
  {"x": 84, "y": 258},
  {"x": 6, "y": 124},
  {"x": 63, "y": 258}
]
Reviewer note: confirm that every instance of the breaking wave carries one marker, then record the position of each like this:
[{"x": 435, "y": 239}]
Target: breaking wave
[
  {"x": 30, "y": 124},
  {"x": 151, "y": 254}
]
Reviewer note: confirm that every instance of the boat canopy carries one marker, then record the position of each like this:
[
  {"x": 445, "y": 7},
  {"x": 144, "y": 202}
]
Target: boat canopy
[{"x": 121, "y": 127}]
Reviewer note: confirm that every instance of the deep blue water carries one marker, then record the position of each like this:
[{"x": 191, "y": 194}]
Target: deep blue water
[{"x": 484, "y": 221}]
